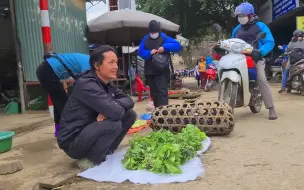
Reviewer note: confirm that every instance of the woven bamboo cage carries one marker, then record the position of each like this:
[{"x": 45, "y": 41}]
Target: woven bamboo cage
[
  {"x": 213, "y": 118},
  {"x": 184, "y": 96}
]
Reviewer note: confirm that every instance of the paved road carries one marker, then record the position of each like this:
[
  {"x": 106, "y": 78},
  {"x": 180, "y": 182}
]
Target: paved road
[{"x": 258, "y": 155}]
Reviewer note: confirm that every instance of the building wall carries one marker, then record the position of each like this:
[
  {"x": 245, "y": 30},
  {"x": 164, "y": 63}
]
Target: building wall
[
  {"x": 68, "y": 29},
  {"x": 127, "y": 4},
  {"x": 271, "y": 10}
]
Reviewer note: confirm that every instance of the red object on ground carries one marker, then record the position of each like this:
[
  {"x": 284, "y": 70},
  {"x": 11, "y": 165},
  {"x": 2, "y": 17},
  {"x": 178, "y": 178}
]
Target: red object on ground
[
  {"x": 140, "y": 88},
  {"x": 135, "y": 130},
  {"x": 176, "y": 92}
]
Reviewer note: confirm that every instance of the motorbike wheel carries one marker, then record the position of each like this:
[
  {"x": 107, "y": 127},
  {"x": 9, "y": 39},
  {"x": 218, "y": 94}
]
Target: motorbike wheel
[
  {"x": 278, "y": 78},
  {"x": 228, "y": 92},
  {"x": 256, "y": 108},
  {"x": 208, "y": 85}
]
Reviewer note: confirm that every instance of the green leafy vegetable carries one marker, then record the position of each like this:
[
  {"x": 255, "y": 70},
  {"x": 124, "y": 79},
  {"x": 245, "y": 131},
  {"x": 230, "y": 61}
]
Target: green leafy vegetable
[{"x": 162, "y": 151}]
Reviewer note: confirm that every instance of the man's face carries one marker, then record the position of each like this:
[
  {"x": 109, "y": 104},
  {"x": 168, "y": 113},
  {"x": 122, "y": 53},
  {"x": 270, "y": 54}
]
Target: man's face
[
  {"x": 243, "y": 19},
  {"x": 154, "y": 35},
  {"x": 108, "y": 68}
]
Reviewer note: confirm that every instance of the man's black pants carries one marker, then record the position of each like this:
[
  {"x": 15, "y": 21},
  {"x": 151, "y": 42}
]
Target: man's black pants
[
  {"x": 159, "y": 88},
  {"x": 51, "y": 83},
  {"x": 99, "y": 139}
]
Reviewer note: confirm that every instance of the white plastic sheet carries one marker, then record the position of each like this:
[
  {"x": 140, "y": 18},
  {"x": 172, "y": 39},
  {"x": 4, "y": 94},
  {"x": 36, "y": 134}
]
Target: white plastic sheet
[{"x": 112, "y": 170}]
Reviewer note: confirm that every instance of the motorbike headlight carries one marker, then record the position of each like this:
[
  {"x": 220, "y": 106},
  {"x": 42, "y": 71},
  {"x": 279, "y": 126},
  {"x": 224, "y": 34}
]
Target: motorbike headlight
[
  {"x": 238, "y": 47},
  {"x": 247, "y": 50}
]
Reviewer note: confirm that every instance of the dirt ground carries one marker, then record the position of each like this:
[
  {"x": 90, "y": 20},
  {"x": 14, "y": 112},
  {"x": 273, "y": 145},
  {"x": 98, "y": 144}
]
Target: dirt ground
[{"x": 258, "y": 154}]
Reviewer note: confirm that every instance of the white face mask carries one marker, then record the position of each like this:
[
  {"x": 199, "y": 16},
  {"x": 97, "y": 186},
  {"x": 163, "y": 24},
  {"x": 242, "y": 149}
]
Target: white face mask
[
  {"x": 243, "y": 20},
  {"x": 155, "y": 35}
]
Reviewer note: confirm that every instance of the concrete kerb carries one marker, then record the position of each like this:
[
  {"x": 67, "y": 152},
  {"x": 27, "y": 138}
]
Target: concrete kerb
[{"x": 32, "y": 126}]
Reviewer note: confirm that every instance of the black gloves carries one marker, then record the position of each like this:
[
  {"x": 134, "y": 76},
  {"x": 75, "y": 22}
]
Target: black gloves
[{"x": 256, "y": 55}]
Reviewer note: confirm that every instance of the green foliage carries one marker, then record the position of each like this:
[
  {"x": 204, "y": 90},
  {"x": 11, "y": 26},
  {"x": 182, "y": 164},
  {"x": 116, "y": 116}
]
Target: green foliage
[
  {"x": 194, "y": 16},
  {"x": 164, "y": 152}
]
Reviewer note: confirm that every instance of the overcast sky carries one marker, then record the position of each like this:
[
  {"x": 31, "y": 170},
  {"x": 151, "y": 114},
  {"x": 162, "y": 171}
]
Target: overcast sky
[{"x": 95, "y": 10}]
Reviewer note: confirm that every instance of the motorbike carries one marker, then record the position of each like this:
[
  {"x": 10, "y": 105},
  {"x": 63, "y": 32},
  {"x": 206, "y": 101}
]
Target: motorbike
[
  {"x": 279, "y": 65},
  {"x": 296, "y": 77},
  {"x": 238, "y": 75},
  {"x": 268, "y": 65},
  {"x": 211, "y": 78}
]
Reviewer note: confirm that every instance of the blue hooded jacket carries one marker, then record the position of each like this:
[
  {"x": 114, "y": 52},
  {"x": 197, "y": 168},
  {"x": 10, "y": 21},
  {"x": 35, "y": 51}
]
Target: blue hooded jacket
[
  {"x": 209, "y": 61},
  {"x": 170, "y": 45},
  {"x": 265, "y": 45},
  {"x": 76, "y": 62}
]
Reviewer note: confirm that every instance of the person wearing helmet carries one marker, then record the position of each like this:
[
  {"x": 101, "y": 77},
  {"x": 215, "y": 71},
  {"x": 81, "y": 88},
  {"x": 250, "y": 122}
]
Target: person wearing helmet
[
  {"x": 209, "y": 62},
  {"x": 247, "y": 30},
  {"x": 297, "y": 41}
]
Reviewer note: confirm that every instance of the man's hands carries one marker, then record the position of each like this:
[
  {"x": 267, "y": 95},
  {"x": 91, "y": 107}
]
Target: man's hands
[
  {"x": 153, "y": 51},
  {"x": 101, "y": 117},
  {"x": 256, "y": 55},
  {"x": 160, "y": 50}
]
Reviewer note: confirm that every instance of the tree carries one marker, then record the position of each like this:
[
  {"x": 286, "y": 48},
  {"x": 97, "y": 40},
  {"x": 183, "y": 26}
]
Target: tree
[{"x": 194, "y": 16}]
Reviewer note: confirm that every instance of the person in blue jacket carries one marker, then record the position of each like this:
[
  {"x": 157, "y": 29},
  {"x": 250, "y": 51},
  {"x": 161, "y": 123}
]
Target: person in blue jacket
[
  {"x": 247, "y": 30},
  {"x": 209, "y": 61},
  {"x": 284, "y": 48},
  {"x": 56, "y": 68},
  {"x": 157, "y": 42}
]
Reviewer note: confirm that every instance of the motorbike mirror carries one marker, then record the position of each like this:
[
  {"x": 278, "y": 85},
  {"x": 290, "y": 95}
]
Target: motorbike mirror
[
  {"x": 217, "y": 28},
  {"x": 261, "y": 35}
]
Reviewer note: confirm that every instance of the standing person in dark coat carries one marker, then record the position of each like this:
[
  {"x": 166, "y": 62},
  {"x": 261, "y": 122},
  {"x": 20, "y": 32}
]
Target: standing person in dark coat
[
  {"x": 153, "y": 43},
  {"x": 97, "y": 114}
]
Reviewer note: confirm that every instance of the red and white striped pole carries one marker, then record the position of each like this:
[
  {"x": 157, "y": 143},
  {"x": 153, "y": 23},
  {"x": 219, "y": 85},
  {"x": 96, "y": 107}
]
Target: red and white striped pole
[
  {"x": 51, "y": 107},
  {"x": 47, "y": 39},
  {"x": 45, "y": 26}
]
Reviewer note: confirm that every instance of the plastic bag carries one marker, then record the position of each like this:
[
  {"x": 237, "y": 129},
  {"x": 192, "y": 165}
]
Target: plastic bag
[
  {"x": 150, "y": 106},
  {"x": 131, "y": 73}
]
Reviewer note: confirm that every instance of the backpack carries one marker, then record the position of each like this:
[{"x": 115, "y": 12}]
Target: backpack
[{"x": 296, "y": 55}]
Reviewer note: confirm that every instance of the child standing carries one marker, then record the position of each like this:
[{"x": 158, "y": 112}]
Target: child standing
[
  {"x": 197, "y": 75},
  {"x": 202, "y": 70}
]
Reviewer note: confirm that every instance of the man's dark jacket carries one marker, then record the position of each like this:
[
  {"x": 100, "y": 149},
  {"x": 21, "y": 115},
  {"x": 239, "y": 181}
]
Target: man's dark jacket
[{"x": 90, "y": 97}]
